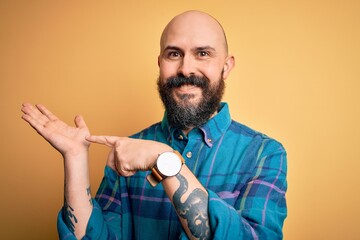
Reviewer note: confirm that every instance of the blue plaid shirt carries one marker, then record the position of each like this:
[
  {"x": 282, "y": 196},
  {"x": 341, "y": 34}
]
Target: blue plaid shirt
[{"x": 243, "y": 171}]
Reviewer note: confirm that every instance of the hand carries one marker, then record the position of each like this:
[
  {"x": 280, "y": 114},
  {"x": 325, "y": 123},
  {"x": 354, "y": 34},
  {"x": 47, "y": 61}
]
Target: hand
[
  {"x": 69, "y": 141},
  {"x": 127, "y": 155}
]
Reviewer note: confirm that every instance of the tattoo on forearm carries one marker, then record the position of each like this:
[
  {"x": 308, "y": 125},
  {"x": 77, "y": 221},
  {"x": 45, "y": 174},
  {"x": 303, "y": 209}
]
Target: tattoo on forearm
[
  {"x": 194, "y": 209},
  {"x": 88, "y": 191},
  {"x": 68, "y": 212},
  {"x": 69, "y": 217}
]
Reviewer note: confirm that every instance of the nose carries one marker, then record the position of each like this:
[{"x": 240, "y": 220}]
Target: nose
[{"x": 187, "y": 66}]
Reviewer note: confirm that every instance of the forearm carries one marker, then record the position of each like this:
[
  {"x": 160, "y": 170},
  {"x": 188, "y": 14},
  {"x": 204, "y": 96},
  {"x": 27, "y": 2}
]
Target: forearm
[
  {"x": 190, "y": 200},
  {"x": 77, "y": 196}
]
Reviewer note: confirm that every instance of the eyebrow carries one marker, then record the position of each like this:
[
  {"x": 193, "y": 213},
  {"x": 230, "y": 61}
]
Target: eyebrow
[
  {"x": 172, "y": 48},
  {"x": 194, "y": 49},
  {"x": 205, "y": 48}
]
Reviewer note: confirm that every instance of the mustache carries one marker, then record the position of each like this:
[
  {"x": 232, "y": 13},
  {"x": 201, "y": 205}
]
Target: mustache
[{"x": 179, "y": 81}]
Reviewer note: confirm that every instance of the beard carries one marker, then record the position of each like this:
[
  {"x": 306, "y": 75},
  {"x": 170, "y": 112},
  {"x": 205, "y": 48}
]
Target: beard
[{"x": 185, "y": 114}]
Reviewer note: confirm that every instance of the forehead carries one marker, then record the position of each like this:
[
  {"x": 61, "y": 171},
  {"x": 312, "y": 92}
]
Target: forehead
[{"x": 193, "y": 31}]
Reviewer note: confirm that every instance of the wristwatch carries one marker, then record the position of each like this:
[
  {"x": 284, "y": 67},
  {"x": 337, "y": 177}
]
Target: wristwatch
[{"x": 167, "y": 164}]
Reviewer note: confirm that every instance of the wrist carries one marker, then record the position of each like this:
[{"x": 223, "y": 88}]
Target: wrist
[
  {"x": 76, "y": 164},
  {"x": 76, "y": 155},
  {"x": 168, "y": 164}
]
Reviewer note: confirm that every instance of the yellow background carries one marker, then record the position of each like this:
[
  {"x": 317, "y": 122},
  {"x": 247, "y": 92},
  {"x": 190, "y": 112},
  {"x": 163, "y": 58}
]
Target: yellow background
[{"x": 296, "y": 79}]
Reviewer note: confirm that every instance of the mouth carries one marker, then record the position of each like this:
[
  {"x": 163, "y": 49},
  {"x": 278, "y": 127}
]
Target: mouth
[
  {"x": 187, "y": 93},
  {"x": 187, "y": 89}
]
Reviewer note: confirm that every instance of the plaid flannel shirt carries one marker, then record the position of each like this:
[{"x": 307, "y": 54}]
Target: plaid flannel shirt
[{"x": 243, "y": 171}]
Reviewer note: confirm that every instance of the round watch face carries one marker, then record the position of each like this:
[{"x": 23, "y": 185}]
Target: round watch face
[{"x": 169, "y": 164}]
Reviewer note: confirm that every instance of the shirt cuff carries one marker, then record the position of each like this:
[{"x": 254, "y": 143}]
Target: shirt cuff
[{"x": 223, "y": 218}]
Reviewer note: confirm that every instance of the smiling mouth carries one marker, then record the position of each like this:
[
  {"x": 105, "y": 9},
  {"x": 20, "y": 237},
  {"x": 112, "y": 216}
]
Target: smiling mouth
[
  {"x": 186, "y": 88},
  {"x": 187, "y": 92}
]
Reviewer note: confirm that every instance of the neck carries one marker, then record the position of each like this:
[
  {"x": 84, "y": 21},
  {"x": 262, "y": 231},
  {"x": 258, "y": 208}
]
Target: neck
[{"x": 186, "y": 131}]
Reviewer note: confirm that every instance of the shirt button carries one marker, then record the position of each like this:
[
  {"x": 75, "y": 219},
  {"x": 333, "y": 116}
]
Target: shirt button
[
  {"x": 180, "y": 137},
  {"x": 189, "y": 154},
  {"x": 209, "y": 140}
]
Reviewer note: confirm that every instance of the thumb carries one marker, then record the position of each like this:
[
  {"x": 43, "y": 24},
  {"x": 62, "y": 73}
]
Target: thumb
[{"x": 80, "y": 122}]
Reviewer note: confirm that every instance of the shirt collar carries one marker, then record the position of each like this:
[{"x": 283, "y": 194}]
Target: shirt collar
[{"x": 211, "y": 130}]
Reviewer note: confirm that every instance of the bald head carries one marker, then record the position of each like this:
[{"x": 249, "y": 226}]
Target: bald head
[{"x": 197, "y": 27}]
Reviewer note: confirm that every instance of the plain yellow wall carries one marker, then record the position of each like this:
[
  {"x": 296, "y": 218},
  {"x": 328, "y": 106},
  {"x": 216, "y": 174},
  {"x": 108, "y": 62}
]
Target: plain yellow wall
[{"x": 297, "y": 79}]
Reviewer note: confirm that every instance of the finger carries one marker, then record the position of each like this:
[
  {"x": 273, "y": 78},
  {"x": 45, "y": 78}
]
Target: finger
[
  {"x": 127, "y": 173},
  {"x": 30, "y": 110},
  {"x": 26, "y": 104},
  {"x": 34, "y": 113},
  {"x": 119, "y": 169},
  {"x": 105, "y": 140},
  {"x": 33, "y": 116},
  {"x": 33, "y": 123},
  {"x": 80, "y": 122},
  {"x": 46, "y": 112}
]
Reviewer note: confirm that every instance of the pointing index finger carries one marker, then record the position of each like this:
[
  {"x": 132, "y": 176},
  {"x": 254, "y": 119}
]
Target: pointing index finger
[{"x": 105, "y": 140}]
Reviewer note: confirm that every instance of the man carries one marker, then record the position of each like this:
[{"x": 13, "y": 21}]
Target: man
[{"x": 195, "y": 175}]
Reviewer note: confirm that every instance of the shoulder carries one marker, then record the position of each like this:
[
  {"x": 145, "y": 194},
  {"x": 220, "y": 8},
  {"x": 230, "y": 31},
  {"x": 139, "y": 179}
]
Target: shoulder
[
  {"x": 150, "y": 131},
  {"x": 253, "y": 135}
]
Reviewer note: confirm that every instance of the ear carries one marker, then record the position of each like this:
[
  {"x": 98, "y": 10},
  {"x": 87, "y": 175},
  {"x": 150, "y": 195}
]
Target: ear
[{"x": 228, "y": 66}]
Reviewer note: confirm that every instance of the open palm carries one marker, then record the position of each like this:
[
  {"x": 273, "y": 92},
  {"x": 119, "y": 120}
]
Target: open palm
[{"x": 66, "y": 139}]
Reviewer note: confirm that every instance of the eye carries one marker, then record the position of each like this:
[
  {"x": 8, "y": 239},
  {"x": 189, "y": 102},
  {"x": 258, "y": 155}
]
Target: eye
[
  {"x": 203, "y": 54},
  {"x": 173, "y": 54}
]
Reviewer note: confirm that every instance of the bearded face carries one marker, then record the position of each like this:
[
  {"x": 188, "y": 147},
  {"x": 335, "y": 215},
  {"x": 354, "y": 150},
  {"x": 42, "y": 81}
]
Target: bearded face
[{"x": 184, "y": 113}]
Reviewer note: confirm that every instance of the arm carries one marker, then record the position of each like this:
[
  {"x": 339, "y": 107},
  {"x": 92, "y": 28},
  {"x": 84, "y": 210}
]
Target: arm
[
  {"x": 77, "y": 195},
  {"x": 190, "y": 200},
  {"x": 71, "y": 143},
  {"x": 258, "y": 210},
  {"x": 188, "y": 196}
]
